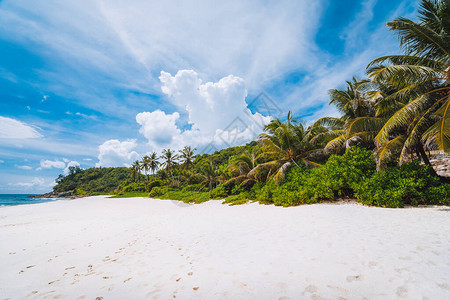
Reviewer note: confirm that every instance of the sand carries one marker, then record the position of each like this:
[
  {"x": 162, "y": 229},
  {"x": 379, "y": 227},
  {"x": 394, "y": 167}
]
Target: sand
[{"x": 141, "y": 248}]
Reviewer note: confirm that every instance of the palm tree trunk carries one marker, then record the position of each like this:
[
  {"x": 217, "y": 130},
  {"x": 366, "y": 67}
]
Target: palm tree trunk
[{"x": 422, "y": 154}]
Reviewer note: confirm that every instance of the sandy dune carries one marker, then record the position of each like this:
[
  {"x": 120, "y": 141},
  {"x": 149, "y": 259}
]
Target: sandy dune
[{"x": 151, "y": 249}]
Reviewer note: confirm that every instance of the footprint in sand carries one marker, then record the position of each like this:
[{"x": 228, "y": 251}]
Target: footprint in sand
[
  {"x": 309, "y": 289},
  {"x": 443, "y": 286},
  {"x": 30, "y": 266},
  {"x": 178, "y": 279},
  {"x": 128, "y": 279},
  {"x": 51, "y": 282},
  {"x": 402, "y": 291},
  {"x": 190, "y": 273},
  {"x": 339, "y": 289},
  {"x": 354, "y": 278},
  {"x": 195, "y": 288}
]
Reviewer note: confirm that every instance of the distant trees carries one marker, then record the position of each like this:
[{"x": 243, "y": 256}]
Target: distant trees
[{"x": 93, "y": 180}]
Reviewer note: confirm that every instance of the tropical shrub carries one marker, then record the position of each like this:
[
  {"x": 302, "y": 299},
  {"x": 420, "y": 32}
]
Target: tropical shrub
[
  {"x": 341, "y": 173},
  {"x": 158, "y": 191},
  {"x": 219, "y": 192},
  {"x": 409, "y": 184},
  {"x": 153, "y": 184},
  {"x": 336, "y": 178},
  {"x": 134, "y": 187}
]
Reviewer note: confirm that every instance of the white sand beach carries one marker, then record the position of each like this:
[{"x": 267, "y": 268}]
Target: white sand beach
[{"x": 140, "y": 248}]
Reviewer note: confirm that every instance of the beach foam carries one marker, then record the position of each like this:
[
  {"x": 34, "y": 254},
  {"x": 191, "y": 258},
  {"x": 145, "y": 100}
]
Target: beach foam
[{"x": 146, "y": 248}]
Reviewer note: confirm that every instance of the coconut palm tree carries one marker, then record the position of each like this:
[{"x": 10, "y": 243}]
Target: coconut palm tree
[
  {"x": 209, "y": 175},
  {"x": 170, "y": 161},
  {"x": 145, "y": 165},
  {"x": 153, "y": 162},
  {"x": 187, "y": 157},
  {"x": 135, "y": 170},
  {"x": 241, "y": 166},
  {"x": 359, "y": 122},
  {"x": 422, "y": 78},
  {"x": 286, "y": 143}
]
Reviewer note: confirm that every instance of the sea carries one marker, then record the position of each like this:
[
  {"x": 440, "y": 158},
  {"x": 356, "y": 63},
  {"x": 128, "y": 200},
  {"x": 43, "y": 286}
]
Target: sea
[{"x": 20, "y": 199}]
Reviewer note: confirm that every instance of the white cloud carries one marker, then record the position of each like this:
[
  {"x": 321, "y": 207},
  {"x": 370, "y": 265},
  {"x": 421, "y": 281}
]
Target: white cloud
[
  {"x": 216, "y": 38},
  {"x": 47, "y": 164},
  {"x": 35, "y": 183},
  {"x": 87, "y": 159},
  {"x": 24, "y": 167},
  {"x": 253, "y": 40},
  {"x": 71, "y": 164},
  {"x": 1, "y": 161},
  {"x": 217, "y": 112},
  {"x": 158, "y": 127},
  {"x": 14, "y": 129},
  {"x": 117, "y": 153}
]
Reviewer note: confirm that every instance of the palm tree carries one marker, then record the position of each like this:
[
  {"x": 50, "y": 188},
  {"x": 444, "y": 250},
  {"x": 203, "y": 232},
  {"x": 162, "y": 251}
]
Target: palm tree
[
  {"x": 135, "y": 170},
  {"x": 359, "y": 122},
  {"x": 241, "y": 166},
  {"x": 286, "y": 144},
  {"x": 145, "y": 165},
  {"x": 187, "y": 156},
  {"x": 422, "y": 78},
  {"x": 170, "y": 160},
  {"x": 153, "y": 162},
  {"x": 210, "y": 175}
]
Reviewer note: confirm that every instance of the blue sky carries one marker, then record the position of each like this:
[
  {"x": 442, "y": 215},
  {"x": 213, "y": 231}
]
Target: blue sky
[{"x": 102, "y": 83}]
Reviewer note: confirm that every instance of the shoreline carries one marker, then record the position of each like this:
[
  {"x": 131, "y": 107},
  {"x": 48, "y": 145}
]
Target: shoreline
[{"x": 148, "y": 249}]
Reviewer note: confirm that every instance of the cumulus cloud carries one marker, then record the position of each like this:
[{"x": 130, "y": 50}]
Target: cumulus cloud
[
  {"x": 217, "y": 112},
  {"x": 71, "y": 164},
  {"x": 158, "y": 127},
  {"x": 117, "y": 153},
  {"x": 14, "y": 129},
  {"x": 47, "y": 164}
]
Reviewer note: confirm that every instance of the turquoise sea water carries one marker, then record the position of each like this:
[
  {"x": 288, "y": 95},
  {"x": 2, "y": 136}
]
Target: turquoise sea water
[{"x": 20, "y": 199}]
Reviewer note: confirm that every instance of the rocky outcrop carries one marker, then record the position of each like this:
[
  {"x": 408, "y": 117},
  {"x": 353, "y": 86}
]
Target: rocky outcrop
[
  {"x": 442, "y": 165},
  {"x": 67, "y": 194}
]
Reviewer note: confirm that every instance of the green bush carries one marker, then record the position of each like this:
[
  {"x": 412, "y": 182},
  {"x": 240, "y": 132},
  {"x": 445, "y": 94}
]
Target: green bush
[
  {"x": 134, "y": 187},
  {"x": 219, "y": 192},
  {"x": 241, "y": 198},
  {"x": 264, "y": 193},
  {"x": 80, "y": 192},
  {"x": 410, "y": 184},
  {"x": 340, "y": 174},
  {"x": 153, "y": 184},
  {"x": 158, "y": 191},
  {"x": 194, "y": 188},
  {"x": 336, "y": 178}
]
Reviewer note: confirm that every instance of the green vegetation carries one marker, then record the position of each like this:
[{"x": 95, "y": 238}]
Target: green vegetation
[
  {"x": 376, "y": 152},
  {"x": 91, "y": 181},
  {"x": 130, "y": 195}
]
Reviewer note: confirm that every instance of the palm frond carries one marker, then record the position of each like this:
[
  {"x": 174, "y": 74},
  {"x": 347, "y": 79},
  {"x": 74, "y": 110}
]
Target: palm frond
[{"x": 385, "y": 151}]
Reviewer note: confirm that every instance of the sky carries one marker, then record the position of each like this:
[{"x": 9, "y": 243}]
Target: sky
[{"x": 102, "y": 83}]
